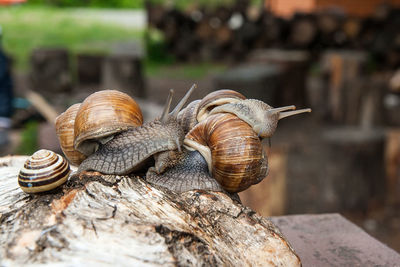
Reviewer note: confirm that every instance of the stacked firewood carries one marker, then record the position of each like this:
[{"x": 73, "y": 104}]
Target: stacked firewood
[{"x": 231, "y": 32}]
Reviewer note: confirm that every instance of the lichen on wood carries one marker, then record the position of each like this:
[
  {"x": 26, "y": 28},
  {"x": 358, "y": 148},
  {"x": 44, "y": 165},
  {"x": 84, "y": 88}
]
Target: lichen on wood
[{"x": 100, "y": 219}]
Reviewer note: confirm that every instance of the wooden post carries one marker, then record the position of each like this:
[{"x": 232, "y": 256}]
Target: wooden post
[
  {"x": 259, "y": 81},
  {"x": 344, "y": 71},
  {"x": 392, "y": 162},
  {"x": 269, "y": 197},
  {"x": 125, "y": 73},
  {"x": 50, "y": 71},
  {"x": 294, "y": 65},
  {"x": 355, "y": 169},
  {"x": 89, "y": 69}
]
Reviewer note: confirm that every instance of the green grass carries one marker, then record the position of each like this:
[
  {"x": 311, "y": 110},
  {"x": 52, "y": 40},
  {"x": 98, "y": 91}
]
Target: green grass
[
  {"x": 26, "y": 28},
  {"x": 183, "y": 70},
  {"x": 29, "y": 137}
]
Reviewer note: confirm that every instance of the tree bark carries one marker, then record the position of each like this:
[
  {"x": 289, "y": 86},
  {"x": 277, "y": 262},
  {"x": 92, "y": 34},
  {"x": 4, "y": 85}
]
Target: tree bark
[{"x": 122, "y": 220}]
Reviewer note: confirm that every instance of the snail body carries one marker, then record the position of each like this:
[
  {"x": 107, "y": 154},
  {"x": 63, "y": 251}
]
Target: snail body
[
  {"x": 128, "y": 150},
  {"x": 43, "y": 171},
  {"x": 261, "y": 116},
  {"x": 188, "y": 173}
]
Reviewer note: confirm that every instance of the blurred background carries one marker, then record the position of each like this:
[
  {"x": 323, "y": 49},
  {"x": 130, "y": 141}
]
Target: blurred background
[{"x": 341, "y": 58}]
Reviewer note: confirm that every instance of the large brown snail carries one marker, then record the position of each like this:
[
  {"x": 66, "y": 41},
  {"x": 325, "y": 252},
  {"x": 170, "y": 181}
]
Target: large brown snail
[
  {"x": 229, "y": 139},
  {"x": 82, "y": 127},
  {"x": 129, "y": 150},
  {"x": 222, "y": 149}
]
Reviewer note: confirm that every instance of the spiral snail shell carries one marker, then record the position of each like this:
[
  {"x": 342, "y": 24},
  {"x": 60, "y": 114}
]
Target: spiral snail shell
[
  {"x": 65, "y": 133},
  {"x": 232, "y": 150},
  {"x": 101, "y": 115},
  {"x": 232, "y": 155},
  {"x": 43, "y": 171},
  {"x": 129, "y": 150},
  {"x": 228, "y": 137}
]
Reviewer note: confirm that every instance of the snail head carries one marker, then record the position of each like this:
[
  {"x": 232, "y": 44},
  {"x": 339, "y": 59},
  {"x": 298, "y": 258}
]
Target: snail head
[{"x": 267, "y": 126}]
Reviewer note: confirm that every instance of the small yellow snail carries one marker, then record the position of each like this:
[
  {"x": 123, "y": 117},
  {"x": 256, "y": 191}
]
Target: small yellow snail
[
  {"x": 43, "y": 171},
  {"x": 82, "y": 127}
]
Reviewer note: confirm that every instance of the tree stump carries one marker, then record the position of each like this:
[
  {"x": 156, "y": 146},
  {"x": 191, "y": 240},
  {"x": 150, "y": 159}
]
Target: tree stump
[
  {"x": 392, "y": 165},
  {"x": 125, "y": 73},
  {"x": 258, "y": 81},
  {"x": 355, "y": 167},
  {"x": 50, "y": 71},
  {"x": 295, "y": 66},
  {"x": 89, "y": 69},
  {"x": 345, "y": 97},
  {"x": 122, "y": 220}
]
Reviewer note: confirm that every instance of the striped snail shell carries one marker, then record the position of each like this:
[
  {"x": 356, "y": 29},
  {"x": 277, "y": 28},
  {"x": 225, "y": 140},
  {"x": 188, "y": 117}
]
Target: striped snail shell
[
  {"x": 43, "y": 171},
  {"x": 233, "y": 151}
]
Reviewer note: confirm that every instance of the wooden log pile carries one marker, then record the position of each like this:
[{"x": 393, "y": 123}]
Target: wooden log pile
[
  {"x": 52, "y": 73},
  {"x": 231, "y": 32}
]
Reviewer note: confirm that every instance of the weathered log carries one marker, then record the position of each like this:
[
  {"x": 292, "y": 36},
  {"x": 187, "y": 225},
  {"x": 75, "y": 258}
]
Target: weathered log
[{"x": 122, "y": 220}]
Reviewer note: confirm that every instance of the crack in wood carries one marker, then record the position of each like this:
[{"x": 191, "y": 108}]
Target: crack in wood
[{"x": 178, "y": 242}]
